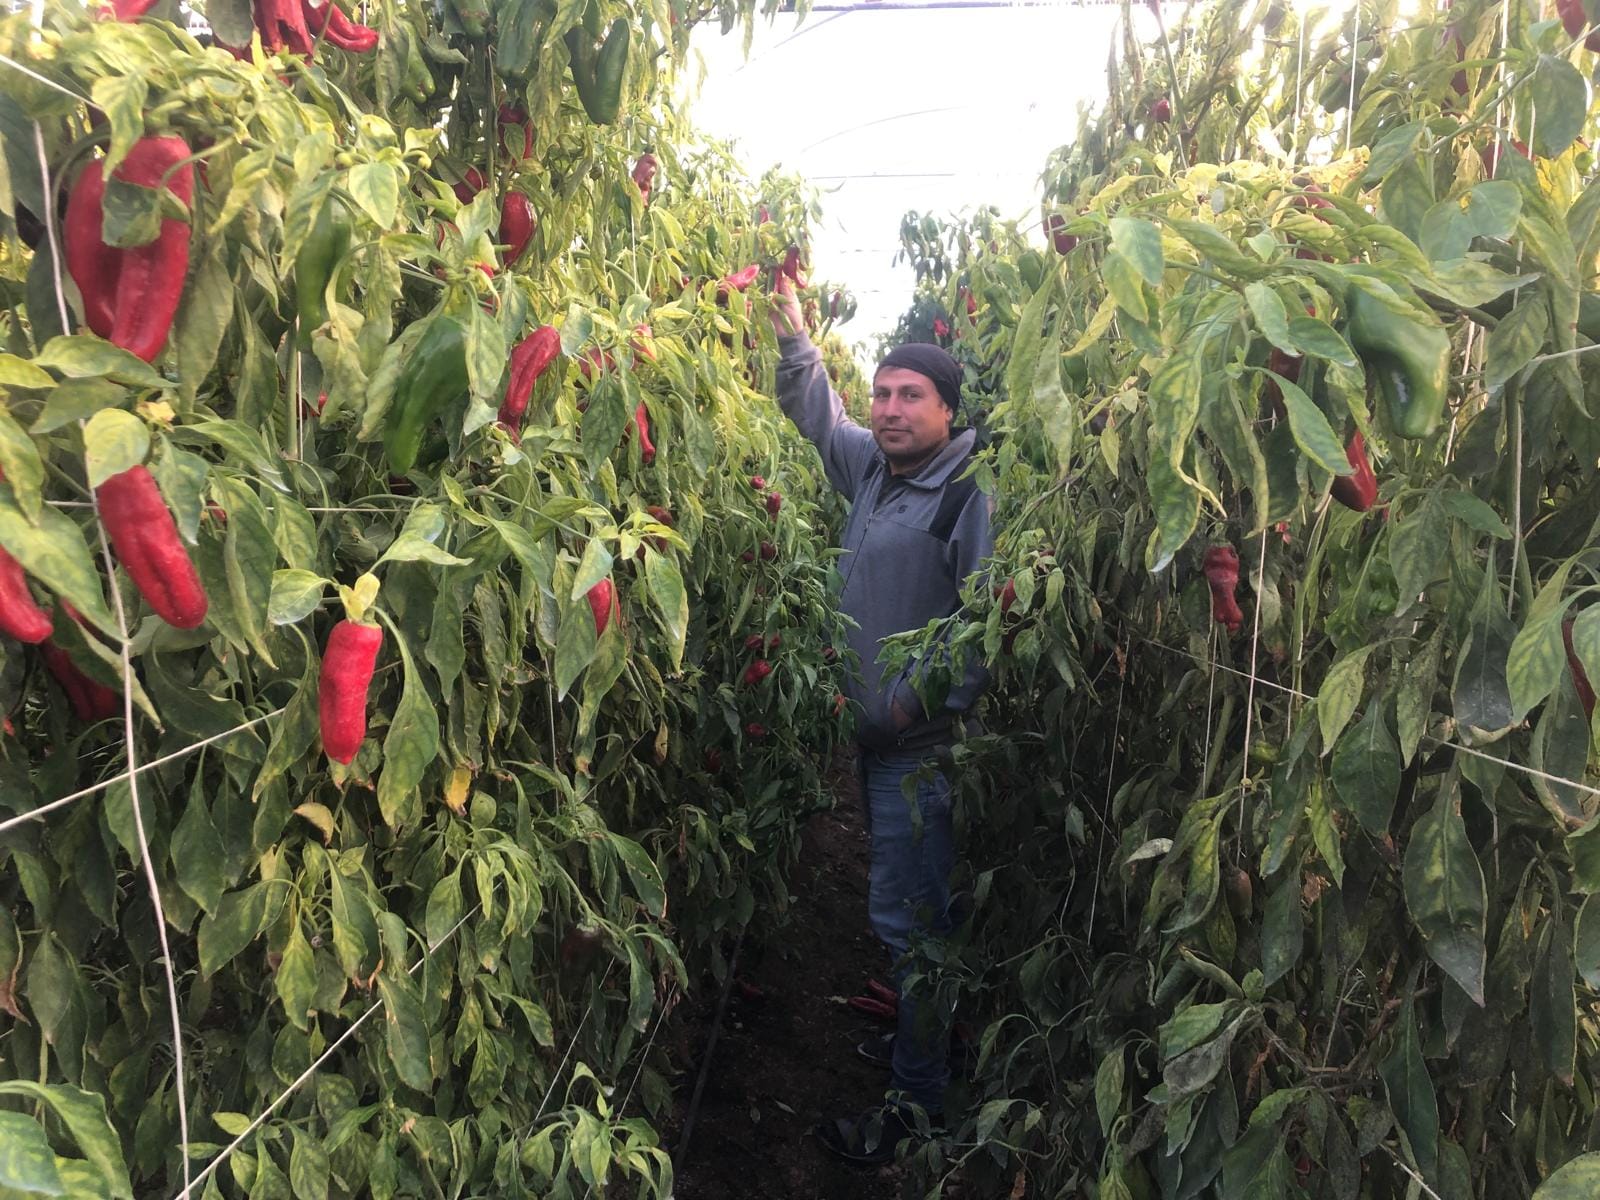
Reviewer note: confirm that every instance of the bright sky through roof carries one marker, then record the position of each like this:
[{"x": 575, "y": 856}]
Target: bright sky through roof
[{"x": 886, "y": 110}]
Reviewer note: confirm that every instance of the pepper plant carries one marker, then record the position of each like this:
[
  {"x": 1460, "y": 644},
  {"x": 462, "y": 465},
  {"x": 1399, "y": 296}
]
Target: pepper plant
[
  {"x": 1279, "y": 836},
  {"x": 378, "y": 763}
]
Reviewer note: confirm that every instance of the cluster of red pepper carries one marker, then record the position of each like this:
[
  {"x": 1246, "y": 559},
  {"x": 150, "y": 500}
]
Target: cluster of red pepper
[
  {"x": 296, "y": 26},
  {"x": 145, "y": 539}
]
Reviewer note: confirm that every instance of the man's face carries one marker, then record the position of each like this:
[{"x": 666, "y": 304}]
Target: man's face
[{"x": 909, "y": 421}]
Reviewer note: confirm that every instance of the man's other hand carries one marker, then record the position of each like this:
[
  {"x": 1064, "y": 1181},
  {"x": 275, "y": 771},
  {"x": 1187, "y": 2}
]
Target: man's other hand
[
  {"x": 900, "y": 717},
  {"x": 786, "y": 315}
]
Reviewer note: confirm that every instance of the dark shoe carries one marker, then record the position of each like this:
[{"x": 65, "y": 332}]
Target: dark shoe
[
  {"x": 871, "y": 1139},
  {"x": 879, "y": 1050}
]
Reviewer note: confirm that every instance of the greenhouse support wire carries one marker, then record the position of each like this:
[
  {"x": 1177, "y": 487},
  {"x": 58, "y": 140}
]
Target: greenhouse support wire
[
  {"x": 35, "y": 813},
  {"x": 146, "y": 860},
  {"x": 227, "y": 1151},
  {"x": 1427, "y": 737}
]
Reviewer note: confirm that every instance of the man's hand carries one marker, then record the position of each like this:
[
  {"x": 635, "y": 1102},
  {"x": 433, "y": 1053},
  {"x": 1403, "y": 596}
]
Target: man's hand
[
  {"x": 899, "y": 716},
  {"x": 786, "y": 315}
]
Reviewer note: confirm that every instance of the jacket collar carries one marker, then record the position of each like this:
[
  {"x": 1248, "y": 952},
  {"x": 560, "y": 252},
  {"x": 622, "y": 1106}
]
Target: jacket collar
[{"x": 936, "y": 472}]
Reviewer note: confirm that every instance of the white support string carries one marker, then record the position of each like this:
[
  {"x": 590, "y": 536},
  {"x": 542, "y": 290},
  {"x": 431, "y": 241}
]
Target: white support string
[
  {"x": 644, "y": 1057},
  {"x": 1427, "y": 737},
  {"x": 146, "y": 860},
  {"x": 1355, "y": 44},
  {"x": 34, "y": 814},
  {"x": 1250, "y": 695},
  {"x": 227, "y": 1151}
]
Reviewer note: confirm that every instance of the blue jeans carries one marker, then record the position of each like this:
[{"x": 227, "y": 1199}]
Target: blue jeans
[{"x": 909, "y": 892}]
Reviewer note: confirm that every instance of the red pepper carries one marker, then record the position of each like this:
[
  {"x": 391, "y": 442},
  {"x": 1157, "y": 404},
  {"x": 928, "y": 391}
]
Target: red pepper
[
  {"x": 883, "y": 992},
  {"x": 594, "y": 361},
  {"x": 347, "y": 664},
  {"x": 1573, "y": 19},
  {"x": 129, "y": 10},
  {"x": 1161, "y": 111},
  {"x": 660, "y": 516},
  {"x": 528, "y": 361},
  {"x": 791, "y": 265},
  {"x": 756, "y": 672},
  {"x": 755, "y": 730},
  {"x": 874, "y": 1007},
  {"x": 471, "y": 183},
  {"x": 1221, "y": 567},
  {"x": 1007, "y": 595},
  {"x": 1359, "y": 491},
  {"x": 337, "y": 29},
  {"x": 647, "y": 449},
  {"x": 1055, "y": 226},
  {"x": 130, "y": 296},
  {"x": 644, "y": 174},
  {"x": 515, "y": 114},
  {"x": 972, "y": 305},
  {"x": 516, "y": 225},
  {"x": 774, "y": 501},
  {"x": 282, "y": 25},
  {"x": 768, "y": 551},
  {"x": 758, "y": 482},
  {"x": 739, "y": 280},
  {"x": 1491, "y": 155},
  {"x": 754, "y": 642},
  {"x": 90, "y": 700},
  {"x": 940, "y": 328},
  {"x": 603, "y": 603},
  {"x": 774, "y": 642},
  {"x": 20, "y": 617},
  {"x": 1580, "y": 677},
  {"x": 143, "y": 534},
  {"x": 713, "y": 759}
]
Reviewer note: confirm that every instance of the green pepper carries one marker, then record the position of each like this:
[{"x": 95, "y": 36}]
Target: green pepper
[
  {"x": 610, "y": 68},
  {"x": 1410, "y": 359},
  {"x": 598, "y": 74},
  {"x": 316, "y": 264},
  {"x": 434, "y": 375},
  {"x": 473, "y": 15}
]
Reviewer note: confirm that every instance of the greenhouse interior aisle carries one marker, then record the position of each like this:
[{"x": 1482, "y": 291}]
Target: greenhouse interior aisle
[{"x": 785, "y": 1057}]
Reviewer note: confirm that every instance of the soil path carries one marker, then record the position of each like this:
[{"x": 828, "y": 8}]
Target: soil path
[{"x": 786, "y": 1056}]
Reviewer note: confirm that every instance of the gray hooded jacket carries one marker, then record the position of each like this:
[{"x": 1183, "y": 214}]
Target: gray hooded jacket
[{"x": 910, "y": 543}]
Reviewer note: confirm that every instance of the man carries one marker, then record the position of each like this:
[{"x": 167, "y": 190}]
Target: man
[{"x": 917, "y": 529}]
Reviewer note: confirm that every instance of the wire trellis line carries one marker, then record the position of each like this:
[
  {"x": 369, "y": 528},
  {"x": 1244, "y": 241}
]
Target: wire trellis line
[
  {"x": 34, "y": 814},
  {"x": 1427, "y": 737},
  {"x": 227, "y": 1151}
]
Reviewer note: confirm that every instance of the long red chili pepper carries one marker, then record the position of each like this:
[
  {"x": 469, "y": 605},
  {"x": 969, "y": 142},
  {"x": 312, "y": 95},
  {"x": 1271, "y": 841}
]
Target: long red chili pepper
[
  {"x": 347, "y": 664},
  {"x": 143, "y": 534},
  {"x": 129, "y": 10},
  {"x": 528, "y": 361},
  {"x": 647, "y": 449},
  {"x": 644, "y": 174},
  {"x": 1221, "y": 567},
  {"x": 90, "y": 700},
  {"x": 283, "y": 25},
  {"x": 20, "y": 617},
  {"x": 516, "y": 225},
  {"x": 339, "y": 30},
  {"x": 603, "y": 603},
  {"x": 1358, "y": 491},
  {"x": 1580, "y": 677},
  {"x": 131, "y": 295},
  {"x": 740, "y": 279},
  {"x": 874, "y": 1007}
]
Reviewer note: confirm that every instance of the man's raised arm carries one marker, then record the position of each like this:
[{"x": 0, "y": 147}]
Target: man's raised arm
[{"x": 808, "y": 399}]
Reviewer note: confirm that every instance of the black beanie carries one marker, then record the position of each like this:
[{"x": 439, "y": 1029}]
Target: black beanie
[{"x": 927, "y": 359}]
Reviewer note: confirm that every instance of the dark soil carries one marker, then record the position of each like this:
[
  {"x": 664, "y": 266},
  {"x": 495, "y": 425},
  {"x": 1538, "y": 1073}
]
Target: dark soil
[{"x": 786, "y": 1058}]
